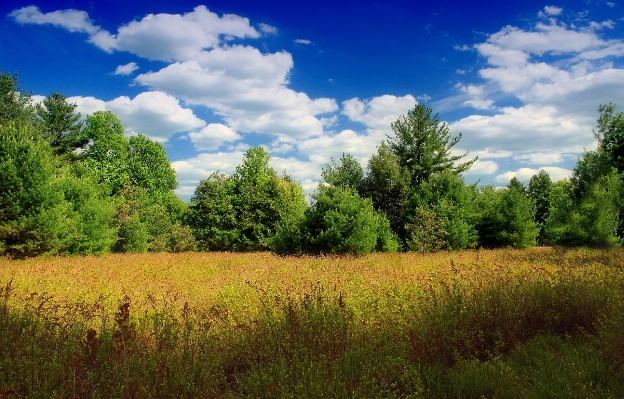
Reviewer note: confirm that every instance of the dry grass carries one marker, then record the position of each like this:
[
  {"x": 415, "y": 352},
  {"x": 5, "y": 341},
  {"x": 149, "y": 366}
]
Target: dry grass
[{"x": 234, "y": 325}]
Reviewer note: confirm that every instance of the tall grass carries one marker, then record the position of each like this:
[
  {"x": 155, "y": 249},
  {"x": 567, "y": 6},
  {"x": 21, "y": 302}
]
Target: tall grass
[{"x": 537, "y": 323}]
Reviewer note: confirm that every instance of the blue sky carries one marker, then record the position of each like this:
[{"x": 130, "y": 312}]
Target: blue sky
[{"x": 520, "y": 80}]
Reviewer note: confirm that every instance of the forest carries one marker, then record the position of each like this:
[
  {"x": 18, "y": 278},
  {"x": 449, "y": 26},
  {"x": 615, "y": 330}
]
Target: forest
[{"x": 71, "y": 186}]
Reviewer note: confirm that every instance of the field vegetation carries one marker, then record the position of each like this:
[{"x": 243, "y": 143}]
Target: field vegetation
[{"x": 539, "y": 323}]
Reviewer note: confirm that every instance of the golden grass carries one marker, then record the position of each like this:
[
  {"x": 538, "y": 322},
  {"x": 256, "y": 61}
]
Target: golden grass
[{"x": 235, "y": 280}]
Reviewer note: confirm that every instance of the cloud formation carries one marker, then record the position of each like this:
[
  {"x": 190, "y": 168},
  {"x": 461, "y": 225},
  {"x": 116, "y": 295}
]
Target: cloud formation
[
  {"x": 154, "y": 114},
  {"x": 126, "y": 69}
]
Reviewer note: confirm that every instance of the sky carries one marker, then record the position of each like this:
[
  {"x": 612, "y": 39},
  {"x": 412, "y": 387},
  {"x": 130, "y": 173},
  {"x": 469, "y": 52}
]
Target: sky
[{"x": 309, "y": 81}]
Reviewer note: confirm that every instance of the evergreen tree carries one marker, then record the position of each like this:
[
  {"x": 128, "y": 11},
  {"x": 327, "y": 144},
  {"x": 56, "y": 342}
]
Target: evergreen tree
[
  {"x": 14, "y": 101},
  {"x": 423, "y": 145},
  {"x": 61, "y": 124}
]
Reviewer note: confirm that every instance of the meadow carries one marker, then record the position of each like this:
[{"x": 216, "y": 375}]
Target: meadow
[{"x": 543, "y": 322}]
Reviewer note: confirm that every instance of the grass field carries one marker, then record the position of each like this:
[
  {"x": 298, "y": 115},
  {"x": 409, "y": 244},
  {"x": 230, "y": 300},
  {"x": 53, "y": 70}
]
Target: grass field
[{"x": 506, "y": 323}]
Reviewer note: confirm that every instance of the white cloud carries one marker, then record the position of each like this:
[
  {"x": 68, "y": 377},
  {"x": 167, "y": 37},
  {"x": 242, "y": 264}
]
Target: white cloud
[
  {"x": 482, "y": 168},
  {"x": 174, "y": 37},
  {"x": 525, "y": 174},
  {"x": 268, "y": 29},
  {"x": 524, "y": 129},
  {"x": 245, "y": 87},
  {"x": 126, "y": 69},
  {"x": 72, "y": 20},
  {"x": 191, "y": 171},
  {"x": 553, "y": 10},
  {"x": 164, "y": 37},
  {"x": 302, "y": 41},
  {"x": 378, "y": 112},
  {"x": 321, "y": 149},
  {"x": 155, "y": 114},
  {"x": 213, "y": 136}
]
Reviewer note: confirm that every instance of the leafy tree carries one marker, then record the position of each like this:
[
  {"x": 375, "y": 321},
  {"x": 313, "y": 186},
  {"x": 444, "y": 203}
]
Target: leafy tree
[
  {"x": 448, "y": 201},
  {"x": 347, "y": 173},
  {"x": 211, "y": 215},
  {"x": 90, "y": 213},
  {"x": 423, "y": 145},
  {"x": 149, "y": 167},
  {"x": 388, "y": 186},
  {"x": 61, "y": 124},
  {"x": 106, "y": 154},
  {"x": 14, "y": 101},
  {"x": 538, "y": 190},
  {"x": 289, "y": 231},
  {"x": 507, "y": 218},
  {"x": 257, "y": 200},
  {"x": 610, "y": 135},
  {"x": 593, "y": 219},
  {"x": 517, "y": 185}
]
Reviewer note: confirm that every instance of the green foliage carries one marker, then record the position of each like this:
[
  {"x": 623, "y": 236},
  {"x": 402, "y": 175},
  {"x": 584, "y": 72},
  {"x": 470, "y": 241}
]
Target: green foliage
[
  {"x": 132, "y": 225},
  {"x": 388, "y": 186},
  {"x": 425, "y": 231},
  {"x": 61, "y": 125},
  {"x": 507, "y": 218},
  {"x": 423, "y": 145},
  {"x": 90, "y": 214},
  {"x": 32, "y": 210},
  {"x": 452, "y": 204},
  {"x": 387, "y": 240},
  {"x": 212, "y": 216},
  {"x": 106, "y": 155},
  {"x": 591, "y": 220},
  {"x": 14, "y": 101},
  {"x": 289, "y": 231},
  {"x": 342, "y": 222},
  {"x": 348, "y": 173},
  {"x": 149, "y": 168},
  {"x": 610, "y": 135},
  {"x": 538, "y": 190}
]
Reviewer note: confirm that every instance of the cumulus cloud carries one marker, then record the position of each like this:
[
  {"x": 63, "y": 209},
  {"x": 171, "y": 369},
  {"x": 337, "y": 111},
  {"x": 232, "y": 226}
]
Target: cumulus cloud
[
  {"x": 213, "y": 136},
  {"x": 126, "y": 69},
  {"x": 482, "y": 168},
  {"x": 559, "y": 73},
  {"x": 247, "y": 88},
  {"x": 524, "y": 129},
  {"x": 302, "y": 41},
  {"x": 164, "y": 37},
  {"x": 525, "y": 174},
  {"x": 155, "y": 114}
]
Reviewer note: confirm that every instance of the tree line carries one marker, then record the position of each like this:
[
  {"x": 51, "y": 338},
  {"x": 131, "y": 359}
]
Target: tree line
[{"x": 74, "y": 186}]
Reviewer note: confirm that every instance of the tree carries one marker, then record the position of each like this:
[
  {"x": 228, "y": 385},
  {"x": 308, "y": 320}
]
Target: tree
[
  {"x": 32, "y": 209},
  {"x": 388, "y": 186},
  {"x": 423, "y": 145},
  {"x": 538, "y": 190},
  {"x": 507, "y": 218},
  {"x": 14, "y": 101},
  {"x": 446, "y": 200},
  {"x": 347, "y": 173},
  {"x": 342, "y": 222},
  {"x": 610, "y": 135},
  {"x": 212, "y": 216},
  {"x": 60, "y": 124},
  {"x": 107, "y": 154},
  {"x": 517, "y": 185},
  {"x": 149, "y": 167}
]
